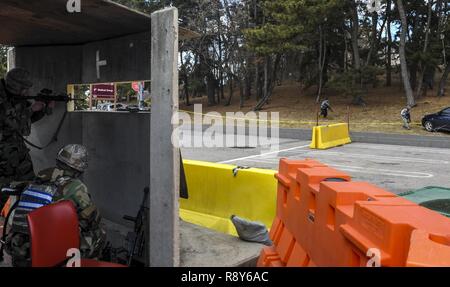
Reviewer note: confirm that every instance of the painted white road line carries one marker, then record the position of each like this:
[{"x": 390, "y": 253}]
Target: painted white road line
[
  {"x": 275, "y": 160},
  {"x": 358, "y": 169},
  {"x": 423, "y": 150},
  {"x": 398, "y": 173},
  {"x": 384, "y": 158},
  {"x": 263, "y": 154},
  {"x": 342, "y": 155}
]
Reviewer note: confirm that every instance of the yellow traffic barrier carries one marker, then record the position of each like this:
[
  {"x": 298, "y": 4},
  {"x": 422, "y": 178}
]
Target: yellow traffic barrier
[
  {"x": 325, "y": 137},
  {"x": 216, "y": 193}
]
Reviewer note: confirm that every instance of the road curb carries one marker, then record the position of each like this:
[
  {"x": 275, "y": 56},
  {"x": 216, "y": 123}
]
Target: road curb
[{"x": 377, "y": 138}]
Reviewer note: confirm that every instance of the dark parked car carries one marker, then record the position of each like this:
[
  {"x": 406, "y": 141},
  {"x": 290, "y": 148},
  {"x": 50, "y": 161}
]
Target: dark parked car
[{"x": 437, "y": 122}]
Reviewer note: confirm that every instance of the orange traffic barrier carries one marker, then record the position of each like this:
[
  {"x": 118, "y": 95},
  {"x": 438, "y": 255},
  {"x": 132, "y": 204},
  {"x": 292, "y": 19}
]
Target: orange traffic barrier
[{"x": 325, "y": 219}]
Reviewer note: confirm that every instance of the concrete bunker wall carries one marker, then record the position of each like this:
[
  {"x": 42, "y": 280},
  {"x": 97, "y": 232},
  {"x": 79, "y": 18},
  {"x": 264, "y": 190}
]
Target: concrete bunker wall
[
  {"x": 118, "y": 143},
  {"x": 119, "y": 166}
]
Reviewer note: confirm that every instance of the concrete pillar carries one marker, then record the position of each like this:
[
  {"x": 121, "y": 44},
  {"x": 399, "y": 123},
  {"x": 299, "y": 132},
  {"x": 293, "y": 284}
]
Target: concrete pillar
[
  {"x": 11, "y": 59},
  {"x": 164, "y": 156}
]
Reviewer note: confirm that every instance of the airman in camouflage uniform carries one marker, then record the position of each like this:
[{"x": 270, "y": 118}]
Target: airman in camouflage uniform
[
  {"x": 16, "y": 117},
  {"x": 64, "y": 180}
]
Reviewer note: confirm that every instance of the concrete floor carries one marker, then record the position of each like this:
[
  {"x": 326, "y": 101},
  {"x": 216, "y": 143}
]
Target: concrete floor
[
  {"x": 395, "y": 168},
  {"x": 200, "y": 247}
]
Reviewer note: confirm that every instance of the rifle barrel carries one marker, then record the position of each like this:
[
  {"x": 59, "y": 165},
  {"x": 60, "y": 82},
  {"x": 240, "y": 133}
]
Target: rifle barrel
[{"x": 52, "y": 98}]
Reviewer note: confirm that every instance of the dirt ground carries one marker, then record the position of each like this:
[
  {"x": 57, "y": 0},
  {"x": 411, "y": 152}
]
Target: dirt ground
[{"x": 382, "y": 113}]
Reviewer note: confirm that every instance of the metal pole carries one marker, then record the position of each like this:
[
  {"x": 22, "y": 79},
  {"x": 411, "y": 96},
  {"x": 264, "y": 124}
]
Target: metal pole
[
  {"x": 348, "y": 118},
  {"x": 317, "y": 118}
]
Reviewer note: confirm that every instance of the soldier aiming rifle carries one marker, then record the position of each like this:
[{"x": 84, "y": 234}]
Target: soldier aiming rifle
[{"x": 17, "y": 114}]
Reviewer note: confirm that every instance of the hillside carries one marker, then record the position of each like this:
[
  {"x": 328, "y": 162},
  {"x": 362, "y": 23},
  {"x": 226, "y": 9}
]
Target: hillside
[{"x": 382, "y": 113}]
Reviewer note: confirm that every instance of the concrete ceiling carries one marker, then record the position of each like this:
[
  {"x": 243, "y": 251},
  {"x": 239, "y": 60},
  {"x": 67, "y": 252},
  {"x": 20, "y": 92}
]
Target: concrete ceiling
[{"x": 47, "y": 22}]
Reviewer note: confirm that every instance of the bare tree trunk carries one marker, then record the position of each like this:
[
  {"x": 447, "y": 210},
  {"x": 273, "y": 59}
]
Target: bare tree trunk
[
  {"x": 222, "y": 88},
  {"x": 356, "y": 55},
  {"x": 443, "y": 83},
  {"x": 300, "y": 65},
  {"x": 266, "y": 77},
  {"x": 248, "y": 77},
  {"x": 373, "y": 39},
  {"x": 422, "y": 65},
  {"x": 257, "y": 81},
  {"x": 241, "y": 93},
  {"x": 389, "y": 44},
  {"x": 413, "y": 38},
  {"x": 404, "y": 65},
  {"x": 185, "y": 79},
  {"x": 186, "y": 89},
  {"x": 230, "y": 91},
  {"x": 248, "y": 86},
  {"x": 442, "y": 25},
  {"x": 322, "y": 61},
  {"x": 270, "y": 84},
  {"x": 219, "y": 30},
  {"x": 345, "y": 53},
  {"x": 275, "y": 69},
  {"x": 211, "y": 89},
  {"x": 355, "y": 36},
  {"x": 218, "y": 92}
]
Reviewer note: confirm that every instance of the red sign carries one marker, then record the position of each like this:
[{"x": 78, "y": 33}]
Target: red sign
[
  {"x": 104, "y": 91},
  {"x": 135, "y": 86}
]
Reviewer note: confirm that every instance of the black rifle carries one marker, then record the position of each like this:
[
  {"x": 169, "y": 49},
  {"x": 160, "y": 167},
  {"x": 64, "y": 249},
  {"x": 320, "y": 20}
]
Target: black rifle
[
  {"x": 138, "y": 251},
  {"x": 47, "y": 95}
]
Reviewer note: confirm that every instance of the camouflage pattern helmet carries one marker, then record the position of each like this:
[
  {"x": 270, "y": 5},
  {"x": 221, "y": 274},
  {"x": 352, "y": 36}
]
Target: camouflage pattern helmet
[
  {"x": 74, "y": 156},
  {"x": 17, "y": 80}
]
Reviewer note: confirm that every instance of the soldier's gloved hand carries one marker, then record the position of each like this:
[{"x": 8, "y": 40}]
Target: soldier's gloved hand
[
  {"x": 51, "y": 105},
  {"x": 38, "y": 106},
  {"x": 49, "y": 108}
]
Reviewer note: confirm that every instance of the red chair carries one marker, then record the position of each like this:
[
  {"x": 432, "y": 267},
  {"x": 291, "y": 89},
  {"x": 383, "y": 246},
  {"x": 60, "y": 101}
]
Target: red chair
[{"x": 53, "y": 231}]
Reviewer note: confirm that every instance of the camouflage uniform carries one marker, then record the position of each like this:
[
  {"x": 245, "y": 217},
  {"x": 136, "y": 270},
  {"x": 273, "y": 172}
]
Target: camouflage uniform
[
  {"x": 16, "y": 117},
  {"x": 69, "y": 187},
  {"x": 64, "y": 184}
]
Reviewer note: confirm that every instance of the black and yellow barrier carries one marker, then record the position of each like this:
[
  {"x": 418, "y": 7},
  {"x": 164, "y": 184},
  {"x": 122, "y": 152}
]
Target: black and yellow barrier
[
  {"x": 216, "y": 193},
  {"x": 325, "y": 137}
]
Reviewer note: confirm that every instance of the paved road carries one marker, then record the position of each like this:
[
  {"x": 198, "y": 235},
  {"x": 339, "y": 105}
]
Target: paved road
[{"x": 395, "y": 168}]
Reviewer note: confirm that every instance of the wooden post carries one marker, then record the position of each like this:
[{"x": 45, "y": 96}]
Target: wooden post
[
  {"x": 164, "y": 155},
  {"x": 90, "y": 97},
  {"x": 115, "y": 97},
  {"x": 71, "y": 93}
]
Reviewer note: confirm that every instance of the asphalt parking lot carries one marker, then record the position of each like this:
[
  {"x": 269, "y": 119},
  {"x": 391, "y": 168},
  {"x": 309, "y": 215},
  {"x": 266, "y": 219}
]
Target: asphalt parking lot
[{"x": 395, "y": 168}]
